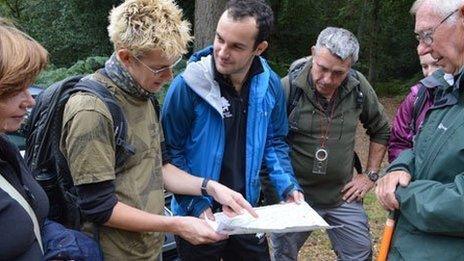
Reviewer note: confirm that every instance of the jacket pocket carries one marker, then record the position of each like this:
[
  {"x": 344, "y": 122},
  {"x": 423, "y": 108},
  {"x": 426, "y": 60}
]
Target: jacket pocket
[
  {"x": 301, "y": 120},
  {"x": 345, "y": 123}
]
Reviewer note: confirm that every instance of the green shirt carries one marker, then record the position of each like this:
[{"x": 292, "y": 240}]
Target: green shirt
[{"x": 88, "y": 144}]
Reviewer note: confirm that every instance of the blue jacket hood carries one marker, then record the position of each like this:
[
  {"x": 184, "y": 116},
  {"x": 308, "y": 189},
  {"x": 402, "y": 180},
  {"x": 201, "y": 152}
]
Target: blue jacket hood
[
  {"x": 202, "y": 53},
  {"x": 199, "y": 76}
]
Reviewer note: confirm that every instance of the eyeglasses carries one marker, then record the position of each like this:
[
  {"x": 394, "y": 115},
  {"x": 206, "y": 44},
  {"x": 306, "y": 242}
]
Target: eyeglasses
[
  {"x": 427, "y": 36},
  {"x": 161, "y": 70}
]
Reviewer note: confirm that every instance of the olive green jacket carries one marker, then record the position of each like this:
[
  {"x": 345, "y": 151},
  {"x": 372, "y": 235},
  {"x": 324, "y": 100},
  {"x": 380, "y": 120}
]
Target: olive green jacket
[
  {"x": 324, "y": 191},
  {"x": 88, "y": 144}
]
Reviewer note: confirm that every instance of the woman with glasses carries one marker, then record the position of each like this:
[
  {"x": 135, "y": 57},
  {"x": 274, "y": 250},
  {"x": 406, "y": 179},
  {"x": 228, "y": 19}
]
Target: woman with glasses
[{"x": 23, "y": 203}]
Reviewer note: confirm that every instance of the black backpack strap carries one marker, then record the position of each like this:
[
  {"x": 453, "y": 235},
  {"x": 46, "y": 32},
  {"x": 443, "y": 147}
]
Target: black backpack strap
[
  {"x": 123, "y": 149},
  {"x": 294, "y": 92},
  {"x": 418, "y": 105},
  {"x": 294, "y": 95},
  {"x": 360, "y": 95}
]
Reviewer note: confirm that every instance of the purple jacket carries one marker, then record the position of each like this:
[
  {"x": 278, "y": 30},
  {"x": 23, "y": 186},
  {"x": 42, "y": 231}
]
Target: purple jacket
[{"x": 401, "y": 133}]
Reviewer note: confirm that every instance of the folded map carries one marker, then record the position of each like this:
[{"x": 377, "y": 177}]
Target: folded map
[{"x": 277, "y": 218}]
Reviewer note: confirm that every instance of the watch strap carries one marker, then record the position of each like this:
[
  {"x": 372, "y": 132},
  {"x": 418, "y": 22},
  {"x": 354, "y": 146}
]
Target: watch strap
[{"x": 204, "y": 184}]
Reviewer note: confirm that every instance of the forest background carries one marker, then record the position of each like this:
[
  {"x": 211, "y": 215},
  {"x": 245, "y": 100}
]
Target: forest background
[{"x": 74, "y": 32}]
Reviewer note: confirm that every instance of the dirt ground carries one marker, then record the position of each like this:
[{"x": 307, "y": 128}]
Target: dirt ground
[{"x": 317, "y": 247}]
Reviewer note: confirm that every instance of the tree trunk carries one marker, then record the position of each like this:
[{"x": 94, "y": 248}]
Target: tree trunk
[
  {"x": 362, "y": 20},
  {"x": 207, "y": 13},
  {"x": 275, "y": 5},
  {"x": 375, "y": 31}
]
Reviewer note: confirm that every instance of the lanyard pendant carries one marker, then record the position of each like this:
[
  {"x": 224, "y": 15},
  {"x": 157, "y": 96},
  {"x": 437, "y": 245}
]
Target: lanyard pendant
[{"x": 321, "y": 155}]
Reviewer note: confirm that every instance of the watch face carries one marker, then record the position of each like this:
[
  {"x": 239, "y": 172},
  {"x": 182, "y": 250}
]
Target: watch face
[{"x": 373, "y": 176}]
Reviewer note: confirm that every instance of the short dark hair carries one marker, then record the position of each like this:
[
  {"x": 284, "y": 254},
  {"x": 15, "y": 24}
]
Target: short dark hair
[{"x": 259, "y": 9}]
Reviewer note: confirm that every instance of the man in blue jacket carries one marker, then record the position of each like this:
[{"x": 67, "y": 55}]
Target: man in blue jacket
[{"x": 223, "y": 117}]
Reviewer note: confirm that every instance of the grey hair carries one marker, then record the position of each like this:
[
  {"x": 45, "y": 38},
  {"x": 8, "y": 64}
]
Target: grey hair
[
  {"x": 440, "y": 7},
  {"x": 339, "y": 42}
]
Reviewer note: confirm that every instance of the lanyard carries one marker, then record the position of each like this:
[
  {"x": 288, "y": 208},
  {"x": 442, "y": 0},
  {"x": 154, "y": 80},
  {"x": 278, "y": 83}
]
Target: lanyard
[{"x": 325, "y": 132}]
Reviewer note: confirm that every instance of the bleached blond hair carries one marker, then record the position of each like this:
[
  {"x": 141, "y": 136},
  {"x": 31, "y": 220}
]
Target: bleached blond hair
[{"x": 143, "y": 25}]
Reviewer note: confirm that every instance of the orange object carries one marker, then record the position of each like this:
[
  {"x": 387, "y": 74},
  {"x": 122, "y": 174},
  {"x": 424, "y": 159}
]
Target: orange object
[{"x": 387, "y": 237}]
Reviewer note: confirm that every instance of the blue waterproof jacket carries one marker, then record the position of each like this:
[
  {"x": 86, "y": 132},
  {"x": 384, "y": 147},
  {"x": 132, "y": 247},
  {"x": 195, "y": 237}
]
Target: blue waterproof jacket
[{"x": 192, "y": 120}]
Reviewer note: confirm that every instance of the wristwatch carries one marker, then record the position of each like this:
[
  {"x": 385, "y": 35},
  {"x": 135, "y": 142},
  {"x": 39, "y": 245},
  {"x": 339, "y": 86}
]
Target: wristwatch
[
  {"x": 204, "y": 184},
  {"x": 373, "y": 175}
]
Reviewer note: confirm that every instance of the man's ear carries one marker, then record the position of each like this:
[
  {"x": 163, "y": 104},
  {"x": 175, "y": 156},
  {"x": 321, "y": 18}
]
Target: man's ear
[
  {"x": 261, "y": 47},
  {"x": 461, "y": 11},
  {"x": 313, "y": 50},
  {"x": 125, "y": 57}
]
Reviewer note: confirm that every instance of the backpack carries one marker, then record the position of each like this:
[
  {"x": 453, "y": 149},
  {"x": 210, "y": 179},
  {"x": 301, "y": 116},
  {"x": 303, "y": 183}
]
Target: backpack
[
  {"x": 418, "y": 106},
  {"x": 43, "y": 133},
  {"x": 432, "y": 81},
  {"x": 295, "y": 94}
]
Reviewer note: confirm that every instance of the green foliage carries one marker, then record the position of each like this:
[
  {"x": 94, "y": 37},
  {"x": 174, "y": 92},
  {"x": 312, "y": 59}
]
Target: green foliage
[
  {"x": 396, "y": 87},
  {"x": 81, "y": 67},
  {"x": 384, "y": 29},
  {"x": 72, "y": 30},
  {"x": 188, "y": 8},
  {"x": 12, "y": 9},
  {"x": 281, "y": 68}
]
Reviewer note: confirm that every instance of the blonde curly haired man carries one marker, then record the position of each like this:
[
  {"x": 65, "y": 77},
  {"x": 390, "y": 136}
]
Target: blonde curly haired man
[{"x": 149, "y": 38}]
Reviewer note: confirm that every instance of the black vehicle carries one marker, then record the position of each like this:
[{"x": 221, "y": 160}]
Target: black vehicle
[{"x": 169, "y": 246}]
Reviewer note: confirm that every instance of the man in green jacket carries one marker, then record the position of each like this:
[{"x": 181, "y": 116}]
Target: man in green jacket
[
  {"x": 430, "y": 195},
  {"x": 323, "y": 124}
]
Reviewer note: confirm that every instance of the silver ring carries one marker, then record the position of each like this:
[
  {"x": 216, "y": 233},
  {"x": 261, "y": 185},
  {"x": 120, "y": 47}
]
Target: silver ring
[{"x": 321, "y": 154}]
